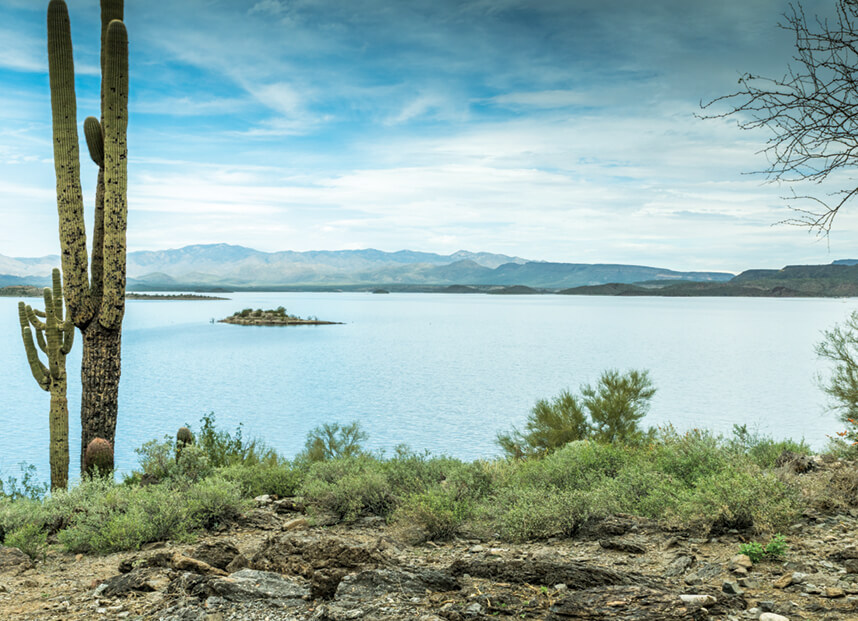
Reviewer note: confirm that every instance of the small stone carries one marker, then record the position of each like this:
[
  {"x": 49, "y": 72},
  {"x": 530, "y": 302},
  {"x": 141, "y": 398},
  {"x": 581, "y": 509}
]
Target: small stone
[
  {"x": 186, "y": 563},
  {"x": 798, "y": 577},
  {"x": 474, "y": 609},
  {"x": 740, "y": 571},
  {"x": 770, "y": 616},
  {"x": 698, "y": 600},
  {"x": 741, "y": 560},
  {"x": 834, "y": 592},
  {"x": 783, "y": 582},
  {"x": 561, "y": 587},
  {"x": 766, "y": 605},
  {"x": 78, "y": 556},
  {"x": 692, "y": 579},
  {"x": 263, "y": 500},
  {"x": 476, "y": 549},
  {"x": 731, "y": 588},
  {"x": 295, "y": 524}
]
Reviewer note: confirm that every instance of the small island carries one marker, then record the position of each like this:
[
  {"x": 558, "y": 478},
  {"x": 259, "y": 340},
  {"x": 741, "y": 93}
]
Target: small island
[
  {"x": 21, "y": 291},
  {"x": 170, "y": 296},
  {"x": 275, "y": 317}
]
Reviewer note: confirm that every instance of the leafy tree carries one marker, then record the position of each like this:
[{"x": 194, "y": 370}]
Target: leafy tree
[
  {"x": 840, "y": 346},
  {"x": 607, "y": 412},
  {"x": 810, "y": 111},
  {"x": 332, "y": 441},
  {"x": 617, "y": 403},
  {"x": 551, "y": 424}
]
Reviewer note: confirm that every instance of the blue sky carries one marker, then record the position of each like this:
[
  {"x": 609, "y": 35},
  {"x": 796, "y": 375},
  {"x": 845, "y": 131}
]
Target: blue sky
[{"x": 549, "y": 129}]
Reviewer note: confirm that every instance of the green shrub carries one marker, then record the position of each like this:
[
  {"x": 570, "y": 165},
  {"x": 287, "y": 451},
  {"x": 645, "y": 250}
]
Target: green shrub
[
  {"x": 753, "y": 551},
  {"x": 763, "y": 450},
  {"x": 840, "y": 346},
  {"x": 279, "y": 480},
  {"x": 439, "y": 512},
  {"x": 775, "y": 549},
  {"x": 614, "y": 405},
  {"x": 30, "y": 539},
  {"x": 333, "y": 441},
  {"x": 124, "y": 517},
  {"x": 349, "y": 487},
  {"x": 28, "y": 487},
  {"x": 214, "y": 501},
  {"x": 222, "y": 448}
]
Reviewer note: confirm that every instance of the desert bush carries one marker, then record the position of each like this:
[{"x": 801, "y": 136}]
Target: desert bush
[
  {"x": 333, "y": 441},
  {"x": 30, "y": 539},
  {"x": 607, "y": 412},
  {"x": 279, "y": 480},
  {"x": 349, "y": 487},
  {"x": 762, "y": 449},
  {"x": 439, "y": 512}
]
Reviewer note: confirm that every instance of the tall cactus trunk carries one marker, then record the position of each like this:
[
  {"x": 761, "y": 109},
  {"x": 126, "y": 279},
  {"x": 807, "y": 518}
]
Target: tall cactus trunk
[
  {"x": 59, "y": 435},
  {"x": 96, "y": 290},
  {"x": 99, "y": 375}
]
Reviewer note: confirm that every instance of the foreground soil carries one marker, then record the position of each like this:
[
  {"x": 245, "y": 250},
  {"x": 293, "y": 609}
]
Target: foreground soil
[{"x": 275, "y": 563}]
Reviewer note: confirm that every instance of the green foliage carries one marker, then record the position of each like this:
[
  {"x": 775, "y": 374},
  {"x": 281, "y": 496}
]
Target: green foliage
[
  {"x": 349, "y": 487},
  {"x": 28, "y": 487},
  {"x": 279, "y": 480},
  {"x": 222, "y": 448},
  {"x": 617, "y": 403},
  {"x": 840, "y": 346},
  {"x": 438, "y": 511},
  {"x": 775, "y": 549},
  {"x": 30, "y": 539},
  {"x": 763, "y": 450},
  {"x": 333, "y": 441},
  {"x": 124, "y": 517},
  {"x": 551, "y": 424},
  {"x": 753, "y": 551},
  {"x": 614, "y": 406}
]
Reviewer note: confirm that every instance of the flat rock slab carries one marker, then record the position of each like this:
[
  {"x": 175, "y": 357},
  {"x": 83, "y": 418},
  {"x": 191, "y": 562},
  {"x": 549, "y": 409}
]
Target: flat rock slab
[
  {"x": 575, "y": 574},
  {"x": 373, "y": 583},
  {"x": 218, "y": 554},
  {"x": 635, "y": 603},
  {"x": 252, "y": 585},
  {"x": 139, "y": 580},
  {"x": 301, "y": 554}
]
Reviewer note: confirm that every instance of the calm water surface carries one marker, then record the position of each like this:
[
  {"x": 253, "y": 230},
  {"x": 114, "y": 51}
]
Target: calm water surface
[{"x": 434, "y": 371}]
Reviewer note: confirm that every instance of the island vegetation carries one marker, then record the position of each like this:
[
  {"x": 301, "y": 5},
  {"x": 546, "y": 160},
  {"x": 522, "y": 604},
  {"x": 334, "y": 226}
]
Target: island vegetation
[
  {"x": 273, "y": 317},
  {"x": 170, "y": 296}
]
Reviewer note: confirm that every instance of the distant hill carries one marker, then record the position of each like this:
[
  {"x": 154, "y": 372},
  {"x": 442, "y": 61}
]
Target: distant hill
[{"x": 224, "y": 266}]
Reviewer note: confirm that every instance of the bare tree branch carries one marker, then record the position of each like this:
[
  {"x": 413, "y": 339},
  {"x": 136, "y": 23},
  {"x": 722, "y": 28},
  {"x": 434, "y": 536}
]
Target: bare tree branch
[{"x": 811, "y": 111}]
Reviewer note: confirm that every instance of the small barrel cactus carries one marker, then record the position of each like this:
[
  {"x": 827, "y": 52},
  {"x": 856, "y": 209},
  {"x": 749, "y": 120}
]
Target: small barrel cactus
[
  {"x": 98, "y": 458},
  {"x": 184, "y": 437}
]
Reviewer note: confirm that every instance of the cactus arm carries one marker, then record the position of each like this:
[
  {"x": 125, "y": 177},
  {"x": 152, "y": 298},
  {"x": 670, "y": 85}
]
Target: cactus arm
[
  {"x": 115, "y": 174},
  {"x": 110, "y": 10},
  {"x": 97, "y": 268},
  {"x": 40, "y": 339},
  {"x": 39, "y": 313},
  {"x": 67, "y": 162},
  {"x": 53, "y": 336},
  {"x": 39, "y": 371},
  {"x": 68, "y": 337},
  {"x": 31, "y": 317},
  {"x": 57, "y": 295},
  {"x": 94, "y": 140}
]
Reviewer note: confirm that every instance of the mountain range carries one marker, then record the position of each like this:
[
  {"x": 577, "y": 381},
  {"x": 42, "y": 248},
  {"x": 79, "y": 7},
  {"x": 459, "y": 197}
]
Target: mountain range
[{"x": 228, "y": 266}]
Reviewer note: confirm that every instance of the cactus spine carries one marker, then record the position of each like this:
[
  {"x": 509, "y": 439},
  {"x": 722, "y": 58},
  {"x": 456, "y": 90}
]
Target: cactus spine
[
  {"x": 95, "y": 293},
  {"x": 55, "y": 337}
]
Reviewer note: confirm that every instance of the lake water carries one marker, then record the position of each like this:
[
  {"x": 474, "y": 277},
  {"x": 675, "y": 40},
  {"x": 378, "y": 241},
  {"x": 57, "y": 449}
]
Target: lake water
[{"x": 434, "y": 371}]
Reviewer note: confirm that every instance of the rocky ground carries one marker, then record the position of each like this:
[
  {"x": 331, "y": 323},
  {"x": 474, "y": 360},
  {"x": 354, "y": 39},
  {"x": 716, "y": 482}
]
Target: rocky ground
[{"x": 275, "y": 565}]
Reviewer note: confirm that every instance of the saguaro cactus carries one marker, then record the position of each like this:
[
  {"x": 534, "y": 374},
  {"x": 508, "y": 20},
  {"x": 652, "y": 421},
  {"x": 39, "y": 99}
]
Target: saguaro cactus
[
  {"x": 54, "y": 337},
  {"x": 95, "y": 295}
]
